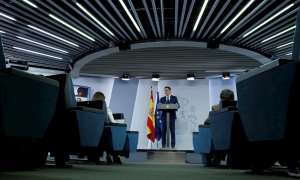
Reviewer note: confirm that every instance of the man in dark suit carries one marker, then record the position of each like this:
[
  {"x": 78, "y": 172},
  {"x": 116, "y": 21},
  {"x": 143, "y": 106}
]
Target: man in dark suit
[{"x": 168, "y": 99}]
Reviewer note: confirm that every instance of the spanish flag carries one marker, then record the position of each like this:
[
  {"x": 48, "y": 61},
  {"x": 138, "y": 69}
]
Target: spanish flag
[{"x": 150, "y": 120}]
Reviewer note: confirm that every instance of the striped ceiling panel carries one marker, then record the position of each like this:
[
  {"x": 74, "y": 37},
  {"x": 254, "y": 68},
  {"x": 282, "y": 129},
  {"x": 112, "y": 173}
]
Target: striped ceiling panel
[{"x": 55, "y": 33}]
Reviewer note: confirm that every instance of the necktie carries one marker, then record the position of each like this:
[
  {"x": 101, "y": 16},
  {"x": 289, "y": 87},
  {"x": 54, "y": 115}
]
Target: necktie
[{"x": 168, "y": 100}]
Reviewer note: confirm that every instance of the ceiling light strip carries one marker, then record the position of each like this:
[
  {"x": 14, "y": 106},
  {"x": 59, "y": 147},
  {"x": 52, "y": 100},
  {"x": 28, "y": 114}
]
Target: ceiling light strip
[
  {"x": 225, "y": 18},
  {"x": 208, "y": 17},
  {"x": 32, "y": 57},
  {"x": 109, "y": 24},
  {"x": 162, "y": 17},
  {"x": 2, "y": 32},
  {"x": 268, "y": 20},
  {"x": 258, "y": 36},
  {"x": 199, "y": 17},
  {"x": 78, "y": 11},
  {"x": 95, "y": 19},
  {"x": 176, "y": 18},
  {"x": 291, "y": 16},
  {"x": 37, "y": 19},
  {"x": 216, "y": 18},
  {"x": 137, "y": 19},
  {"x": 272, "y": 46},
  {"x": 130, "y": 16},
  {"x": 72, "y": 17},
  {"x": 8, "y": 17},
  {"x": 41, "y": 44},
  {"x": 182, "y": 17},
  {"x": 237, "y": 16},
  {"x": 70, "y": 20},
  {"x": 71, "y": 27},
  {"x": 284, "y": 45},
  {"x": 30, "y": 3},
  {"x": 122, "y": 18},
  {"x": 246, "y": 19},
  {"x": 156, "y": 18},
  {"x": 113, "y": 19},
  {"x": 149, "y": 17},
  {"x": 34, "y": 52},
  {"x": 52, "y": 35},
  {"x": 278, "y": 34},
  {"x": 275, "y": 42},
  {"x": 188, "y": 17},
  {"x": 288, "y": 54}
]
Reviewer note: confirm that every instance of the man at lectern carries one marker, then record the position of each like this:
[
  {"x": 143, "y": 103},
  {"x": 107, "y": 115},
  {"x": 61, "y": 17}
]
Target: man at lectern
[{"x": 168, "y": 99}]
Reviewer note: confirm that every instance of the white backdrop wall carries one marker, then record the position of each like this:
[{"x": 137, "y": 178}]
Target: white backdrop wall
[
  {"x": 141, "y": 110},
  {"x": 217, "y": 84},
  {"x": 103, "y": 85},
  {"x": 194, "y": 107},
  {"x": 123, "y": 98},
  {"x": 193, "y": 97}
]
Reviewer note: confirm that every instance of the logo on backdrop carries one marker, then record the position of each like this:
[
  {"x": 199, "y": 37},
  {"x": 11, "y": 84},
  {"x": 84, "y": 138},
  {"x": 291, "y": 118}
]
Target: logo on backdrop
[{"x": 186, "y": 119}]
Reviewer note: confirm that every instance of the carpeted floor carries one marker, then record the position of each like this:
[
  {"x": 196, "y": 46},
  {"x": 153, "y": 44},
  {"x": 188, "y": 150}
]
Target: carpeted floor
[{"x": 138, "y": 171}]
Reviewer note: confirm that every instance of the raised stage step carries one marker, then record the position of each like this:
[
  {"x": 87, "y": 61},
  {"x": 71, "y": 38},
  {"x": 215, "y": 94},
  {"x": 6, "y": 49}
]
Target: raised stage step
[{"x": 166, "y": 157}]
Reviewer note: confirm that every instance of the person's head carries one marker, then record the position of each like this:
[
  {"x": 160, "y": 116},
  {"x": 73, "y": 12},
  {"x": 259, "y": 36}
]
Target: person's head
[
  {"x": 215, "y": 107},
  {"x": 80, "y": 92},
  {"x": 98, "y": 96},
  {"x": 167, "y": 90},
  {"x": 227, "y": 94}
]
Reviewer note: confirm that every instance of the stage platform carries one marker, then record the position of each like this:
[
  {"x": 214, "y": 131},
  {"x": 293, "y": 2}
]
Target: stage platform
[
  {"x": 164, "y": 156},
  {"x": 161, "y": 156}
]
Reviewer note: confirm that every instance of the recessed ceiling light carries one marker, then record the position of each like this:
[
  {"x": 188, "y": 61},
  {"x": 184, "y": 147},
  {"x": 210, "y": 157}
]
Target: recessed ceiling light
[
  {"x": 226, "y": 75},
  {"x": 125, "y": 77},
  {"x": 155, "y": 77},
  {"x": 190, "y": 76}
]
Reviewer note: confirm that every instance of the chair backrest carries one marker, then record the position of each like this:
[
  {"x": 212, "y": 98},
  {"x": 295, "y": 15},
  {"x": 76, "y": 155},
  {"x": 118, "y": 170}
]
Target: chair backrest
[
  {"x": 98, "y": 104},
  {"x": 27, "y": 103},
  {"x": 66, "y": 95},
  {"x": 269, "y": 98},
  {"x": 228, "y": 103},
  {"x": 2, "y": 59}
]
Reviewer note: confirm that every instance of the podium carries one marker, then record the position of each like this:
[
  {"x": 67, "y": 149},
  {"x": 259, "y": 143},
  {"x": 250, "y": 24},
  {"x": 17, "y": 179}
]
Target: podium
[{"x": 167, "y": 108}]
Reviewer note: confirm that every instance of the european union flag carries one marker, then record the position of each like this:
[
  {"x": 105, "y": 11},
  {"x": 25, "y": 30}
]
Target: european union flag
[{"x": 158, "y": 124}]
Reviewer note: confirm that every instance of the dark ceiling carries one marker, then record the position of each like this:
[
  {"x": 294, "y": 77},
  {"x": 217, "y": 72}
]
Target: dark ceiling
[{"x": 93, "y": 24}]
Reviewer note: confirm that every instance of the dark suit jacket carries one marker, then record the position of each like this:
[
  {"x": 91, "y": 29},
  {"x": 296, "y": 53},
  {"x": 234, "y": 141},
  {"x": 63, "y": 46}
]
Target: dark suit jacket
[{"x": 173, "y": 100}]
